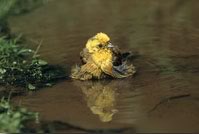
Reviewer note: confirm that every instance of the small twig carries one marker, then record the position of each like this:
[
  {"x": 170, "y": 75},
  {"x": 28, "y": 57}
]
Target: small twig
[
  {"x": 37, "y": 50},
  {"x": 164, "y": 100},
  {"x": 10, "y": 95}
]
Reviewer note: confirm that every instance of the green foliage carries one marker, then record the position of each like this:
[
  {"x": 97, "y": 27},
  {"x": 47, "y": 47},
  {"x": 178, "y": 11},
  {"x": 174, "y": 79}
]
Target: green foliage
[
  {"x": 13, "y": 119},
  {"x": 16, "y": 7},
  {"x": 22, "y": 67},
  {"x": 5, "y": 7}
]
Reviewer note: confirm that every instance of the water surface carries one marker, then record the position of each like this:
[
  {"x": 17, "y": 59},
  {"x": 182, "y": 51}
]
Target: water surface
[{"x": 162, "y": 97}]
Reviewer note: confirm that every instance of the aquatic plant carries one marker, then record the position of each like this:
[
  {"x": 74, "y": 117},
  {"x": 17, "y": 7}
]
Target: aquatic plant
[
  {"x": 13, "y": 119},
  {"x": 23, "y": 67}
]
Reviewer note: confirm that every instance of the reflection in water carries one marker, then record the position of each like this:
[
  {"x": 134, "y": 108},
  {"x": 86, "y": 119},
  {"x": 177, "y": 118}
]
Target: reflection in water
[{"x": 101, "y": 99}]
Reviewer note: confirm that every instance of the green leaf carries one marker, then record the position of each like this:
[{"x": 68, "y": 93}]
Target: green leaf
[
  {"x": 2, "y": 71},
  {"x": 49, "y": 84},
  {"x": 23, "y": 51},
  {"x": 31, "y": 87},
  {"x": 42, "y": 62}
]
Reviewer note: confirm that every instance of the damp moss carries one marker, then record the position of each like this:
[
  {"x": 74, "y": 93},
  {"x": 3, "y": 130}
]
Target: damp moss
[{"x": 20, "y": 66}]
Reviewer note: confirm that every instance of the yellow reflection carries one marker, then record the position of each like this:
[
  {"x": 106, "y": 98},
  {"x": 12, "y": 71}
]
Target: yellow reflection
[{"x": 101, "y": 99}]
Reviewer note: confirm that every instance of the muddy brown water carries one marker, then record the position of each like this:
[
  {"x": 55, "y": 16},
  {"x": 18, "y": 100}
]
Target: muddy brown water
[{"x": 164, "y": 94}]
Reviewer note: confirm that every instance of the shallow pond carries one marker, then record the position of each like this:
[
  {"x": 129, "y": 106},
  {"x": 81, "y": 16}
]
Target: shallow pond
[{"x": 162, "y": 97}]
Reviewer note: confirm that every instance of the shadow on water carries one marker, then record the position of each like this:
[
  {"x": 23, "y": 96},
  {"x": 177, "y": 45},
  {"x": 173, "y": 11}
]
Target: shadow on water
[{"x": 164, "y": 33}]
